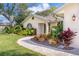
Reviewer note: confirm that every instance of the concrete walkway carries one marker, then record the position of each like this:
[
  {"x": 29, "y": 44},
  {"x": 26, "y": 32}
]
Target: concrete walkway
[{"x": 27, "y": 43}]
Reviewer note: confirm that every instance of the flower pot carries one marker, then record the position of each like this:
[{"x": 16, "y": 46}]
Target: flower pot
[
  {"x": 50, "y": 41},
  {"x": 66, "y": 46},
  {"x": 53, "y": 42},
  {"x": 35, "y": 37},
  {"x": 41, "y": 39}
]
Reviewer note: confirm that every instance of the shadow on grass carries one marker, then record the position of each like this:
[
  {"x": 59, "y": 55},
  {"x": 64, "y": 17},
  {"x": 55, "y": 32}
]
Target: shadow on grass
[{"x": 16, "y": 53}]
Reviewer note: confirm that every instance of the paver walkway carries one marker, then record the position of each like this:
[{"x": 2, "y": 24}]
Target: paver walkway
[{"x": 27, "y": 43}]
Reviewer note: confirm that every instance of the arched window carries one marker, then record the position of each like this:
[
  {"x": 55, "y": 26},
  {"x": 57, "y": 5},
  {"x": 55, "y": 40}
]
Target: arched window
[{"x": 29, "y": 25}]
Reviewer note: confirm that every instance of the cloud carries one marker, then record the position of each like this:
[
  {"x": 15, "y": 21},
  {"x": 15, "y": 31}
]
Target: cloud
[{"x": 40, "y": 7}]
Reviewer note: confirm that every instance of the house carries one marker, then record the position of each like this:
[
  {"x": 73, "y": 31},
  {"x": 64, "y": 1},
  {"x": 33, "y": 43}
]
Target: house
[
  {"x": 3, "y": 22},
  {"x": 40, "y": 23},
  {"x": 70, "y": 14}
]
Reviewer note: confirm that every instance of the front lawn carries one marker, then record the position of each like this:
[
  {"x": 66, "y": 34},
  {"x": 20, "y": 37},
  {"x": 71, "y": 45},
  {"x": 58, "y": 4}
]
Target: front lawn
[{"x": 9, "y": 47}]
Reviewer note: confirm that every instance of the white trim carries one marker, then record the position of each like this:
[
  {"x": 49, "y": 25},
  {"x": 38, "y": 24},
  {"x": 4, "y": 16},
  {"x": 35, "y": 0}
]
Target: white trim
[{"x": 38, "y": 16}]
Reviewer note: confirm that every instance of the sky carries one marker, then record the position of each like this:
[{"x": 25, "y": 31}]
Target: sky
[
  {"x": 35, "y": 7},
  {"x": 3, "y": 19},
  {"x": 43, "y": 6}
]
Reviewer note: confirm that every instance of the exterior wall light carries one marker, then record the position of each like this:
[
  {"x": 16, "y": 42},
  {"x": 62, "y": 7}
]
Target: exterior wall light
[{"x": 73, "y": 17}]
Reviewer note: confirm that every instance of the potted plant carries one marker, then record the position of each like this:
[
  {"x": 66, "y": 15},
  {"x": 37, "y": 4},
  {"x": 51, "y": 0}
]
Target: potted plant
[
  {"x": 41, "y": 38},
  {"x": 54, "y": 37},
  {"x": 67, "y": 36},
  {"x": 53, "y": 41}
]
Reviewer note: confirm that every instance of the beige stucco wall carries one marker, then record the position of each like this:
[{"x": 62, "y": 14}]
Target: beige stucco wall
[
  {"x": 53, "y": 24},
  {"x": 34, "y": 23},
  {"x": 69, "y": 10}
]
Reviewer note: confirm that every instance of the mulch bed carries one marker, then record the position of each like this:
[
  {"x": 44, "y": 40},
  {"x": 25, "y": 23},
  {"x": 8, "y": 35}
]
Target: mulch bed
[
  {"x": 60, "y": 47},
  {"x": 45, "y": 43}
]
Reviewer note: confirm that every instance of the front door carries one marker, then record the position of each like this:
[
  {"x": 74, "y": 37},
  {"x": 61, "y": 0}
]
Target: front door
[{"x": 42, "y": 27}]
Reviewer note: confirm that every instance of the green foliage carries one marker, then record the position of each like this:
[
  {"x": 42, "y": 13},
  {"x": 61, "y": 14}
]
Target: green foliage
[
  {"x": 30, "y": 31},
  {"x": 2, "y": 6},
  {"x": 27, "y": 31},
  {"x": 12, "y": 11},
  {"x": 60, "y": 26},
  {"x": 20, "y": 18},
  {"x": 54, "y": 32},
  {"x": 57, "y": 29},
  {"x": 46, "y": 12},
  {"x": 52, "y": 9},
  {"x": 8, "y": 29},
  {"x": 23, "y": 32},
  {"x": 17, "y": 29},
  {"x": 23, "y": 5}
]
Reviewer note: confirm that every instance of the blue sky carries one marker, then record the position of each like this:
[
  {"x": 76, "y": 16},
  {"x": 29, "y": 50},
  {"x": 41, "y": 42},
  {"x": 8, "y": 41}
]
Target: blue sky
[
  {"x": 3, "y": 19},
  {"x": 42, "y": 6},
  {"x": 35, "y": 7}
]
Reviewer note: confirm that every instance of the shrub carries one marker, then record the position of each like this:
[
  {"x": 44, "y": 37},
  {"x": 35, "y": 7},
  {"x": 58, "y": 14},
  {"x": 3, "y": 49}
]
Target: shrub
[
  {"x": 23, "y": 32},
  {"x": 55, "y": 32},
  {"x": 20, "y": 30},
  {"x": 27, "y": 31},
  {"x": 9, "y": 29},
  {"x": 67, "y": 36},
  {"x": 31, "y": 31},
  {"x": 17, "y": 29}
]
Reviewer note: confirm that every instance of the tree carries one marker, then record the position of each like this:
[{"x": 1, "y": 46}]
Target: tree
[
  {"x": 46, "y": 12},
  {"x": 21, "y": 16},
  {"x": 11, "y": 10}
]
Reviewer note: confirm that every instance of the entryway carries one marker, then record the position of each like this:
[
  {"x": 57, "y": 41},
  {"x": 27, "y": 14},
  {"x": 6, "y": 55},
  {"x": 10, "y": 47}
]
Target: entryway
[{"x": 42, "y": 28}]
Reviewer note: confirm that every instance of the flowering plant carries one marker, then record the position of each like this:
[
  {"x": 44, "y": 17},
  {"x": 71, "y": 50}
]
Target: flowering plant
[{"x": 67, "y": 36}]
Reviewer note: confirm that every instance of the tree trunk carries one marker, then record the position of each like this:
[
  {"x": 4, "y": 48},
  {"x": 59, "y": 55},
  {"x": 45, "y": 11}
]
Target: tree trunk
[{"x": 10, "y": 18}]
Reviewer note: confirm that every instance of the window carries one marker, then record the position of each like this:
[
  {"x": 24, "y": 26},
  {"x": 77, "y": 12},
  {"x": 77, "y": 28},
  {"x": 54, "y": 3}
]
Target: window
[{"x": 29, "y": 25}]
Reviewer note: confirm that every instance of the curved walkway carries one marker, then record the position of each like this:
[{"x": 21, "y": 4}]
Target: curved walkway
[{"x": 27, "y": 43}]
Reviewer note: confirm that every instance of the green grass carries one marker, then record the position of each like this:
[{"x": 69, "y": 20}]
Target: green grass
[{"x": 9, "y": 47}]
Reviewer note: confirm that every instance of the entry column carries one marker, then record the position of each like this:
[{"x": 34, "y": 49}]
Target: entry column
[{"x": 47, "y": 28}]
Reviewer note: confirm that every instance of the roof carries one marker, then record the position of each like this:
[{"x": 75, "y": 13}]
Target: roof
[
  {"x": 55, "y": 12},
  {"x": 54, "y": 18},
  {"x": 4, "y": 24},
  {"x": 58, "y": 9},
  {"x": 43, "y": 13},
  {"x": 37, "y": 16},
  {"x": 61, "y": 8},
  {"x": 49, "y": 18}
]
